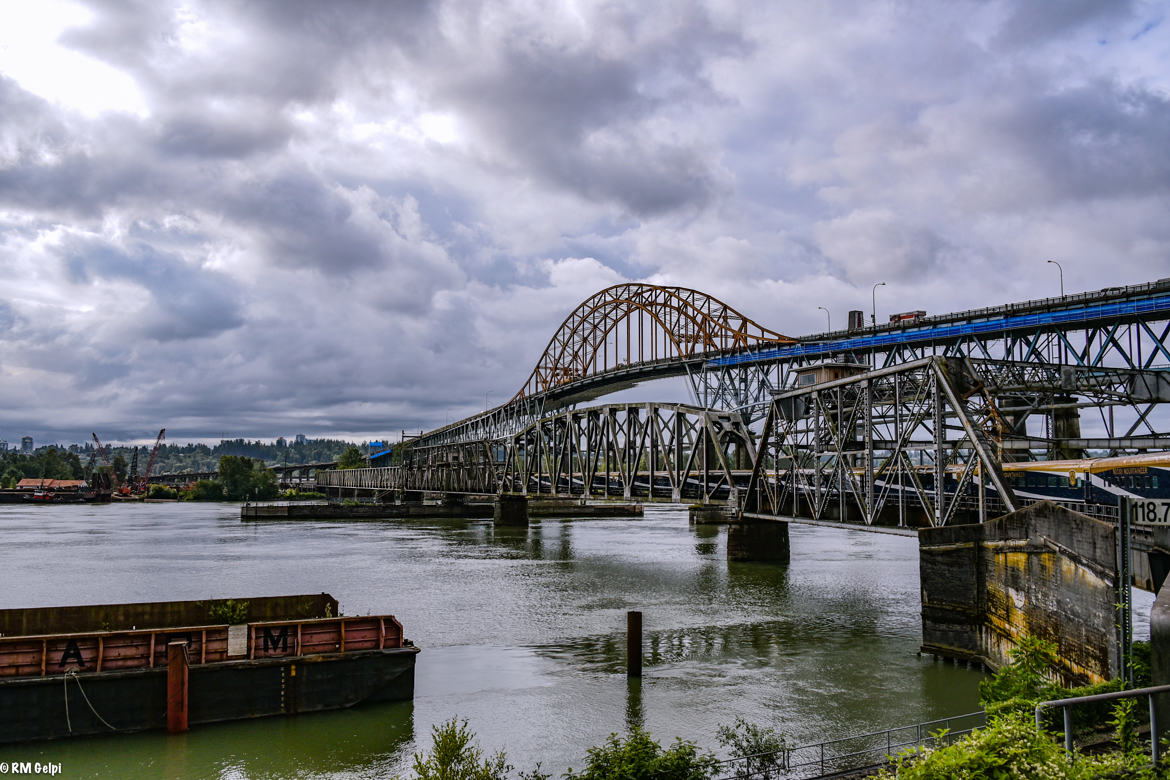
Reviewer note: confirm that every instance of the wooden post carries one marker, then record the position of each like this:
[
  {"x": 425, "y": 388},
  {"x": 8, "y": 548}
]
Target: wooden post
[
  {"x": 633, "y": 644},
  {"x": 177, "y": 687}
]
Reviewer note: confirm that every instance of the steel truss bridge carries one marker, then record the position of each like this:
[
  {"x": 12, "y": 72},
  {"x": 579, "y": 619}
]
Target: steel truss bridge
[{"x": 842, "y": 425}]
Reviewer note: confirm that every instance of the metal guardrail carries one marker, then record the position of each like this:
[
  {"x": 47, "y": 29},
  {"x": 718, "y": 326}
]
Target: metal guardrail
[
  {"x": 848, "y": 754},
  {"x": 1067, "y": 704}
]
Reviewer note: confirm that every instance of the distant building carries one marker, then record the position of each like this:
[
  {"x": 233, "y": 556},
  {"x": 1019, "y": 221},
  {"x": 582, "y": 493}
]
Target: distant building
[
  {"x": 300, "y": 439},
  {"x": 26, "y": 445},
  {"x": 281, "y": 441}
]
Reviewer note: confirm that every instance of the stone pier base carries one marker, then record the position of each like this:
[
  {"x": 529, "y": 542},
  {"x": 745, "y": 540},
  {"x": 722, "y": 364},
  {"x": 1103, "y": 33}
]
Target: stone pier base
[
  {"x": 511, "y": 509},
  {"x": 762, "y": 541}
]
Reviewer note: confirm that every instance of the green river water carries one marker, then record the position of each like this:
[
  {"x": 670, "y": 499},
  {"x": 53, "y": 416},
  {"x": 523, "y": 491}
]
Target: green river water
[{"x": 521, "y": 630}]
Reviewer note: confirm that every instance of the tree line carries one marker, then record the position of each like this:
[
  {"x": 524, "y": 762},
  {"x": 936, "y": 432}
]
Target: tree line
[{"x": 76, "y": 461}]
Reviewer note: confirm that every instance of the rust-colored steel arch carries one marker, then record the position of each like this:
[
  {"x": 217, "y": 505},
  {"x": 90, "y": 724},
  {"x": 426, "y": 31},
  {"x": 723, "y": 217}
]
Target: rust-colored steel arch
[{"x": 635, "y": 323}]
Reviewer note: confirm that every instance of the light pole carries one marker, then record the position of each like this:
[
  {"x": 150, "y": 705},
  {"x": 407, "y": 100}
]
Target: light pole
[
  {"x": 873, "y": 297},
  {"x": 828, "y": 319},
  {"x": 1058, "y": 268}
]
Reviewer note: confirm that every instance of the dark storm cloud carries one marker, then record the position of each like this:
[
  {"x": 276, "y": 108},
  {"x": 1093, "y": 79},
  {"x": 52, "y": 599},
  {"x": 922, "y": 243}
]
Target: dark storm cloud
[
  {"x": 580, "y": 119},
  {"x": 231, "y": 135},
  {"x": 1032, "y": 23},
  {"x": 189, "y": 303},
  {"x": 1101, "y": 140}
]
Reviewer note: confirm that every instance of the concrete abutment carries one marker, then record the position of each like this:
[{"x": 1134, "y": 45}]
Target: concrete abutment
[{"x": 1044, "y": 571}]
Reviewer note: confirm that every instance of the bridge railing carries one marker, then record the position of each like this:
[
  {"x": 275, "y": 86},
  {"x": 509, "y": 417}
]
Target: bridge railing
[{"x": 834, "y": 757}]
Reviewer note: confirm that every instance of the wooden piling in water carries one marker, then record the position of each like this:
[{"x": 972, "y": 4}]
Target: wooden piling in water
[{"x": 633, "y": 644}]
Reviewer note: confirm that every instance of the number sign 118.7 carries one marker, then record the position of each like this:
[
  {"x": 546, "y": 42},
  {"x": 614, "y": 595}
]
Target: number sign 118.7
[{"x": 1150, "y": 511}]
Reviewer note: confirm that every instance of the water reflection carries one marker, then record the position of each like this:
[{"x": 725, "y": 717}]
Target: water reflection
[
  {"x": 635, "y": 714},
  {"x": 364, "y": 742}
]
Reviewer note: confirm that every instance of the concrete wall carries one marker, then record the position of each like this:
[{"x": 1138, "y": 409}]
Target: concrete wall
[{"x": 1043, "y": 571}]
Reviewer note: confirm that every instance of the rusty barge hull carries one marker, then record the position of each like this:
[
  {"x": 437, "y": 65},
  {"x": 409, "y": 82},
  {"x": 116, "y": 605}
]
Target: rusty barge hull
[
  {"x": 57, "y": 685},
  {"x": 136, "y": 700}
]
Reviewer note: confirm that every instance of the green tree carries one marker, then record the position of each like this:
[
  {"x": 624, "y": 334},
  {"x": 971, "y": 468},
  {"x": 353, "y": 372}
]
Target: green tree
[
  {"x": 244, "y": 478},
  {"x": 235, "y": 474},
  {"x": 52, "y": 467},
  {"x": 352, "y": 458},
  {"x": 12, "y": 475}
]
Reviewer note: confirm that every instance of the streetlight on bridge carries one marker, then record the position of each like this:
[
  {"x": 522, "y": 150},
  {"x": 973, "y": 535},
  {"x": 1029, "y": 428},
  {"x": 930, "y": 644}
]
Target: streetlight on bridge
[
  {"x": 873, "y": 300},
  {"x": 828, "y": 319},
  {"x": 1059, "y": 268}
]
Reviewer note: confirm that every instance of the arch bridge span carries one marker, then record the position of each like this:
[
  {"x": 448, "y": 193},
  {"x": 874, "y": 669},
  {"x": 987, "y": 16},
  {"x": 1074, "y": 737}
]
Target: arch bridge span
[{"x": 630, "y": 324}]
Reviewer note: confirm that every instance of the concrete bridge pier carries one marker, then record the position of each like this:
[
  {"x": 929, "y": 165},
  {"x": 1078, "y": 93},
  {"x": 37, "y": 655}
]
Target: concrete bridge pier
[
  {"x": 1044, "y": 571},
  {"x": 511, "y": 509},
  {"x": 760, "y": 541},
  {"x": 711, "y": 514}
]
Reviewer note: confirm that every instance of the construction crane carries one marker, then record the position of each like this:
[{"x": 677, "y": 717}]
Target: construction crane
[
  {"x": 144, "y": 480},
  {"x": 105, "y": 455}
]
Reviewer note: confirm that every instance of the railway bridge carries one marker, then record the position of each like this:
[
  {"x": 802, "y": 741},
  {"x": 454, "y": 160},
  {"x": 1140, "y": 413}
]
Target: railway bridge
[
  {"x": 908, "y": 427},
  {"x": 847, "y": 426}
]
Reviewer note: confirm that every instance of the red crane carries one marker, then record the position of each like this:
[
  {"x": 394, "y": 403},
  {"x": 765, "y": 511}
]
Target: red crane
[{"x": 144, "y": 480}]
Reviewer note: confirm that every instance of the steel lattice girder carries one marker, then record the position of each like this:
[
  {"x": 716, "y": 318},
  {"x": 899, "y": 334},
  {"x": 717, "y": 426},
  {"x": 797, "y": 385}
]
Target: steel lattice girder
[
  {"x": 667, "y": 451},
  {"x": 818, "y": 443},
  {"x": 1118, "y": 328}
]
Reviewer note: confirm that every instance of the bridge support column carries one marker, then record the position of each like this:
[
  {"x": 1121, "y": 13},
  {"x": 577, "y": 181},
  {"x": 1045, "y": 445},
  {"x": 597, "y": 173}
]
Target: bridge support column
[
  {"x": 511, "y": 509},
  {"x": 1160, "y": 657},
  {"x": 1066, "y": 424},
  {"x": 761, "y": 541},
  {"x": 1043, "y": 571}
]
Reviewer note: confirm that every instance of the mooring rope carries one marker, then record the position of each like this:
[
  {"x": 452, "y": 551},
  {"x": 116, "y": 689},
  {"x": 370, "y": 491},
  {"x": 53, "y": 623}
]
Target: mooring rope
[
  {"x": 87, "y": 701},
  {"x": 65, "y": 687}
]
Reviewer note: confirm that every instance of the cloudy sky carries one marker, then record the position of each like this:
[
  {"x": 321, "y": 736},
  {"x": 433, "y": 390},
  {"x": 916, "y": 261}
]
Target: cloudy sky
[{"x": 264, "y": 218}]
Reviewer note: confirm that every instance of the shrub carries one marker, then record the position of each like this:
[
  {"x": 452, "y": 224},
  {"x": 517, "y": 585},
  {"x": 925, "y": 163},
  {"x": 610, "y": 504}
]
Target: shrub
[
  {"x": 638, "y": 757},
  {"x": 204, "y": 490},
  {"x": 761, "y": 749},
  {"x": 1010, "y": 746},
  {"x": 454, "y": 756},
  {"x": 162, "y": 491},
  {"x": 231, "y": 612}
]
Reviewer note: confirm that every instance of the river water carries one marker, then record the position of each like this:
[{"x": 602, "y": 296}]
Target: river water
[{"x": 521, "y": 630}]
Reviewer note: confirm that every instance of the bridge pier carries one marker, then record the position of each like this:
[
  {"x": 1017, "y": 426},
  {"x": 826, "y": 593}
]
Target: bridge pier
[
  {"x": 711, "y": 514},
  {"x": 760, "y": 541},
  {"x": 511, "y": 509},
  {"x": 1043, "y": 571}
]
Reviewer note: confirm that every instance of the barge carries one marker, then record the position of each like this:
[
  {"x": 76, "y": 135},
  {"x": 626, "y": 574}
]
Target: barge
[{"x": 75, "y": 671}]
